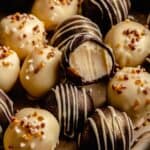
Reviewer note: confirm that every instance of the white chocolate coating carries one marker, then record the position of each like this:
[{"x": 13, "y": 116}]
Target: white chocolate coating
[
  {"x": 9, "y": 68},
  {"x": 53, "y": 12},
  {"x": 40, "y": 69},
  {"x": 130, "y": 43},
  {"x": 129, "y": 91},
  {"x": 22, "y": 33},
  {"x": 32, "y": 129}
]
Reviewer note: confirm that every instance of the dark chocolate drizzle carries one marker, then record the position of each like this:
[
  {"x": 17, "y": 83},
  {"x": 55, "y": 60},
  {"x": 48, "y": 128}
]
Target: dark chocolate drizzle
[{"x": 106, "y": 13}]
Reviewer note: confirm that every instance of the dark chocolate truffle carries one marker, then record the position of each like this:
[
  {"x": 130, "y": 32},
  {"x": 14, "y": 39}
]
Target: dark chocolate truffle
[
  {"x": 106, "y": 12},
  {"x": 86, "y": 60},
  {"x": 76, "y": 25},
  {"x": 107, "y": 129},
  {"x": 6, "y": 109},
  {"x": 70, "y": 105}
]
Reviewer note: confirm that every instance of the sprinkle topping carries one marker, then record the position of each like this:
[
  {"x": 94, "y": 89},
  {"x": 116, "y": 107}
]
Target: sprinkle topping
[
  {"x": 133, "y": 37},
  {"x": 32, "y": 126},
  {"x": 4, "y": 52}
]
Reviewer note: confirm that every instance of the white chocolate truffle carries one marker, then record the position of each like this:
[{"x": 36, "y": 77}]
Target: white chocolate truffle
[
  {"x": 54, "y": 12},
  {"x": 32, "y": 129},
  {"x": 22, "y": 33},
  {"x": 40, "y": 69},
  {"x": 130, "y": 42},
  {"x": 9, "y": 68},
  {"x": 129, "y": 91}
]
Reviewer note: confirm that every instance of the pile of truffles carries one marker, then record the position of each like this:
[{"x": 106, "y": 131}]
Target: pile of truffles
[{"x": 74, "y": 71}]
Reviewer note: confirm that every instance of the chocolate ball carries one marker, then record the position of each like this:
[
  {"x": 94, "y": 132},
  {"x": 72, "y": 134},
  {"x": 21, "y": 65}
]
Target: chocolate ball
[
  {"x": 107, "y": 128},
  {"x": 22, "y": 32},
  {"x": 86, "y": 60},
  {"x": 129, "y": 91},
  {"x": 32, "y": 129},
  {"x": 40, "y": 69},
  {"x": 129, "y": 41},
  {"x": 68, "y": 29},
  {"x": 106, "y": 13},
  {"x": 70, "y": 105},
  {"x": 54, "y": 12}
]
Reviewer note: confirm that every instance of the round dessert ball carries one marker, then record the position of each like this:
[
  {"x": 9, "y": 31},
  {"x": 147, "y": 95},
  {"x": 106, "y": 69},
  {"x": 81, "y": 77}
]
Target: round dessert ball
[
  {"x": 75, "y": 25},
  {"x": 87, "y": 60},
  {"x": 130, "y": 43},
  {"x": 54, "y": 12},
  {"x": 22, "y": 33},
  {"x": 129, "y": 91},
  {"x": 32, "y": 129},
  {"x": 9, "y": 68},
  {"x": 40, "y": 69},
  {"x": 107, "y": 129},
  {"x": 106, "y": 13},
  {"x": 71, "y": 106}
]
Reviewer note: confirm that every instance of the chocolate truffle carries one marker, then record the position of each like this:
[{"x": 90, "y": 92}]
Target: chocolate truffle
[
  {"x": 107, "y": 129},
  {"x": 32, "y": 129},
  {"x": 130, "y": 43},
  {"x": 129, "y": 91},
  {"x": 86, "y": 60},
  {"x": 40, "y": 69},
  {"x": 6, "y": 109},
  {"x": 22, "y": 33},
  {"x": 70, "y": 105},
  {"x": 106, "y": 13},
  {"x": 53, "y": 12},
  {"x": 9, "y": 68},
  {"x": 75, "y": 25}
]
